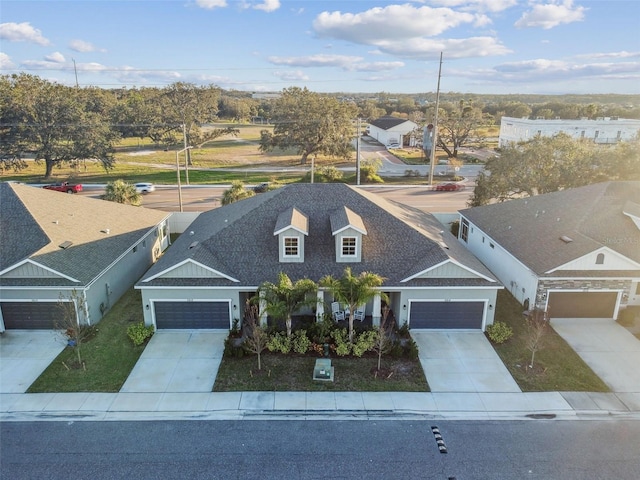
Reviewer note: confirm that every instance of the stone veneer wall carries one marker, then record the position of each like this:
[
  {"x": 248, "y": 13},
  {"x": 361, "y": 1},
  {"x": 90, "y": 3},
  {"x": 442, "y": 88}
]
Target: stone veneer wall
[{"x": 582, "y": 284}]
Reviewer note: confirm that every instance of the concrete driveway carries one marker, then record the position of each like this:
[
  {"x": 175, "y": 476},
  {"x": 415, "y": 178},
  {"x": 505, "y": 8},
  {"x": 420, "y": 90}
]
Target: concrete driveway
[
  {"x": 611, "y": 351},
  {"x": 24, "y": 354},
  {"x": 461, "y": 361},
  {"x": 178, "y": 361}
]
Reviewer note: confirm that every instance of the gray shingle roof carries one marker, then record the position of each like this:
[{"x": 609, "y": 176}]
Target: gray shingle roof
[
  {"x": 238, "y": 239},
  {"x": 387, "y": 122},
  {"x": 34, "y": 222},
  {"x": 591, "y": 216}
]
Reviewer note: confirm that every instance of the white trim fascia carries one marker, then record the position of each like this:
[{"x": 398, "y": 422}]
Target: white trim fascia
[
  {"x": 597, "y": 250},
  {"x": 39, "y": 265},
  {"x": 190, "y": 287},
  {"x": 340, "y": 230},
  {"x": 27, "y": 287},
  {"x": 454, "y": 262},
  {"x": 189, "y": 260},
  {"x": 589, "y": 278},
  {"x": 290, "y": 227}
]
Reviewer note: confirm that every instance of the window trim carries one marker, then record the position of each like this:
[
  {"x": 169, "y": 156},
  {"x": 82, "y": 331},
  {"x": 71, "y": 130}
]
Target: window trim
[
  {"x": 354, "y": 247},
  {"x": 464, "y": 230},
  {"x": 286, "y": 247}
]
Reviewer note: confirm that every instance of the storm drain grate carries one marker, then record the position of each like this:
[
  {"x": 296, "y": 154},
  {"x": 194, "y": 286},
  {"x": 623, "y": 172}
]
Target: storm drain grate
[{"x": 438, "y": 436}]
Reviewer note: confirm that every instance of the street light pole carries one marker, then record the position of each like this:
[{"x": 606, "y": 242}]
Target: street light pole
[
  {"x": 434, "y": 138},
  {"x": 178, "y": 175}
]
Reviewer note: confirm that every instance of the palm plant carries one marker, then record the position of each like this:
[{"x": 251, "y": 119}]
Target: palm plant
[
  {"x": 235, "y": 193},
  {"x": 120, "y": 191},
  {"x": 354, "y": 290},
  {"x": 284, "y": 298}
]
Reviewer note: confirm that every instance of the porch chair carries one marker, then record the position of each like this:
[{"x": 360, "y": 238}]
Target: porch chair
[
  {"x": 359, "y": 313},
  {"x": 336, "y": 312}
]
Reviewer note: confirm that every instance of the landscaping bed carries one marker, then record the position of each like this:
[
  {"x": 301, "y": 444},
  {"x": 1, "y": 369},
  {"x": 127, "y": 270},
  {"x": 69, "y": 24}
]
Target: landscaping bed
[
  {"x": 108, "y": 356},
  {"x": 557, "y": 367}
]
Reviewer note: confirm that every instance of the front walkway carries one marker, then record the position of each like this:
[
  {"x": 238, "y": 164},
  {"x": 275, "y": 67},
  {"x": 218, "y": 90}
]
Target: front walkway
[
  {"x": 611, "y": 351},
  {"x": 462, "y": 361}
]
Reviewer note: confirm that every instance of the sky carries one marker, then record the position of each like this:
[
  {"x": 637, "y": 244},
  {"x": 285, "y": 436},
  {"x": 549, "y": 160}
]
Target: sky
[{"x": 487, "y": 46}]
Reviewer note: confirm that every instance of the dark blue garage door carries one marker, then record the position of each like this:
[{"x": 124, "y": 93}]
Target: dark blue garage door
[
  {"x": 467, "y": 315},
  {"x": 190, "y": 315},
  {"x": 30, "y": 315}
]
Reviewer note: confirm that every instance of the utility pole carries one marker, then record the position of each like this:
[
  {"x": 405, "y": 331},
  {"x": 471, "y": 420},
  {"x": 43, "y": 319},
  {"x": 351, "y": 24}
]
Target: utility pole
[
  {"x": 187, "y": 155},
  {"x": 434, "y": 138},
  {"x": 75, "y": 71},
  {"x": 358, "y": 154}
]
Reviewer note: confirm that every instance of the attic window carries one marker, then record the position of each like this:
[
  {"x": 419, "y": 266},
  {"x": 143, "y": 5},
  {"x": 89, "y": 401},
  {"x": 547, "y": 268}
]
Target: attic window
[
  {"x": 291, "y": 247},
  {"x": 600, "y": 259},
  {"x": 566, "y": 239},
  {"x": 349, "y": 246},
  {"x": 65, "y": 245}
]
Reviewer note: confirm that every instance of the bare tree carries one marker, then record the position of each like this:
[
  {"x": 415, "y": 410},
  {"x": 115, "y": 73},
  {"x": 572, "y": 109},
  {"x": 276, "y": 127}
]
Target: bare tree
[
  {"x": 537, "y": 327},
  {"x": 383, "y": 339},
  {"x": 255, "y": 338},
  {"x": 72, "y": 321}
]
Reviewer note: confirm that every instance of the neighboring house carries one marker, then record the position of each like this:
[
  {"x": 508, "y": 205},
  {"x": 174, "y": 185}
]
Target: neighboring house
[
  {"x": 52, "y": 244},
  {"x": 575, "y": 252},
  {"x": 388, "y": 130},
  {"x": 309, "y": 231},
  {"x": 605, "y": 130}
]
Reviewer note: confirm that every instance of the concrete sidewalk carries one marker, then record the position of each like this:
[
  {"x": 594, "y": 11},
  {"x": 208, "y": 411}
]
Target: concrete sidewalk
[{"x": 314, "y": 405}]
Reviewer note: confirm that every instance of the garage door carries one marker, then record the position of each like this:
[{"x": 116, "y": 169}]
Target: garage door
[
  {"x": 29, "y": 315},
  {"x": 192, "y": 315},
  {"x": 466, "y": 315},
  {"x": 582, "y": 304}
]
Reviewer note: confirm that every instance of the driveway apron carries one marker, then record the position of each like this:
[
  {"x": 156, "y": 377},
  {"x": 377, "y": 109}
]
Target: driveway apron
[
  {"x": 178, "y": 361},
  {"x": 462, "y": 361},
  {"x": 611, "y": 351},
  {"x": 24, "y": 355}
]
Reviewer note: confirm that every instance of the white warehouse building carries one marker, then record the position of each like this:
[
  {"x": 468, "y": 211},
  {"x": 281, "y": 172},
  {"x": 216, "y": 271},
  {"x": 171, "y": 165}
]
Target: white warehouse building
[{"x": 603, "y": 130}]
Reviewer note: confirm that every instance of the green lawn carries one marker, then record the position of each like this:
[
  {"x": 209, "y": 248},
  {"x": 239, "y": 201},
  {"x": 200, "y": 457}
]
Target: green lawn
[
  {"x": 109, "y": 356},
  {"x": 294, "y": 373},
  {"x": 557, "y": 366}
]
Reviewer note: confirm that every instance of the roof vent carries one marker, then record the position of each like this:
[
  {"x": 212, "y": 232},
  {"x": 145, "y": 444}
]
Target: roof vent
[
  {"x": 66, "y": 244},
  {"x": 193, "y": 245},
  {"x": 566, "y": 239},
  {"x": 106, "y": 230}
]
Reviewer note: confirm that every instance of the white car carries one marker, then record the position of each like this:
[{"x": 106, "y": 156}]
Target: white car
[{"x": 145, "y": 187}]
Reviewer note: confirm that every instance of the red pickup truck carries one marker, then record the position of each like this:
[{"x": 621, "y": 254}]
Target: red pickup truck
[{"x": 64, "y": 187}]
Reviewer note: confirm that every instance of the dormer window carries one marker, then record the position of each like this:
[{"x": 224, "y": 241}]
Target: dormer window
[
  {"x": 349, "y": 246},
  {"x": 291, "y": 247},
  {"x": 600, "y": 259},
  {"x": 291, "y": 227}
]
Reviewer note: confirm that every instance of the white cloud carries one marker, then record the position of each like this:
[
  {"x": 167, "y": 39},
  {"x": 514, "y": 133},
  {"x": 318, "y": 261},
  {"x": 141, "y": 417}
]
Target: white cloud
[
  {"x": 22, "y": 32},
  {"x": 321, "y": 60},
  {"x": 291, "y": 75},
  {"x": 5, "y": 61},
  {"x": 211, "y": 4},
  {"x": 480, "y": 5},
  {"x": 622, "y": 54},
  {"x": 268, "y": 5},
  {"x": 393, "y": 22},
  {"x": 81, "y": 46},
  {"x": 429, "y": 49},
  {"x": 551, "y": 15},
  {"x": 55, "y": 57}
]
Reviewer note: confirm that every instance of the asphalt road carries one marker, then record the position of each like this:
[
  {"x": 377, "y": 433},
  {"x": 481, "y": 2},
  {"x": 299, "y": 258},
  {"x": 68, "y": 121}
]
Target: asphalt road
[
  {"x": 201, "y": 198},
  {"x": 307, "y": 449}
]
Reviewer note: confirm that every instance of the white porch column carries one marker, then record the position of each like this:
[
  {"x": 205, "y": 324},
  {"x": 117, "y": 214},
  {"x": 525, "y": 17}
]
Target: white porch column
[
  {"x": 375, "y": 315},
  {"x": 263, "y": 312},
  {"x": 320, "y": 305}
]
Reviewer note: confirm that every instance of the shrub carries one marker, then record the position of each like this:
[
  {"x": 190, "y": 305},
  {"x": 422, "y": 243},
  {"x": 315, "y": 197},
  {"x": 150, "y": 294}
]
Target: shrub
[
  {"x": 301, "y": 342},
  {"x": 330, "y": 173},
  {"x": 364, "y": 342},
  {"x": 139, "y": 332},
  {"x": 233, "y": 347},
  {"x": 411, "y": 350},
  {"x": 279, "y": 342},
  {"x": 499, "y": 332},
  {"x": 341, "y": 338}
]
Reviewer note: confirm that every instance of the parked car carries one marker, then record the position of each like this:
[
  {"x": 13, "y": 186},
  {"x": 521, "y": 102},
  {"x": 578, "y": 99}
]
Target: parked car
[
  {"x": 449, "y": 187},
  {"x": 145, "y": 188},
  {"x": 393, "y": 145},
  {"x": 261, "y": 187},
  {"x": 64, "y": 187}
]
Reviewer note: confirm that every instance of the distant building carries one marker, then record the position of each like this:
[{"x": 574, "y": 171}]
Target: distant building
[
  {"x": 603, "y": 130},
  {"x": 389, "y": 130},
  {"x": 266, "y": 95}
]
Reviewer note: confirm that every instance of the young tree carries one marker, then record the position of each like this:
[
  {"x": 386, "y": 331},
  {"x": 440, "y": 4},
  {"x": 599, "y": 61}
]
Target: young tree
[
  {"x": 311, "y": 123},
  {"x": 72, "y": 320},
  {"x": 235, "y": 193},
  {"x": 537, "y": 328},
  {"x": 120, "y": 191},
  {"x": 284, "y": 298},
  {"x": 384, "y": 343},
  {"x": 353, "y": 290},
  {"x": 255, "y": 338}
]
